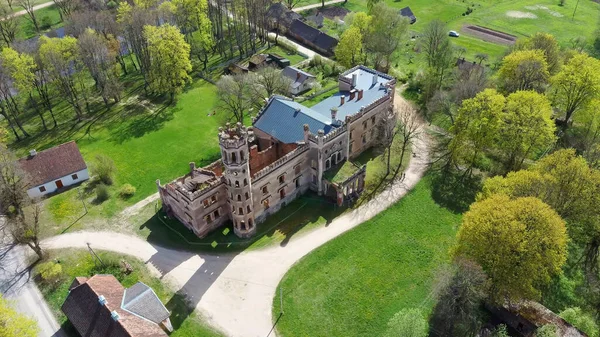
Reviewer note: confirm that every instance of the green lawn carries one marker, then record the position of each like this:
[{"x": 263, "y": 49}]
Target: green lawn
[
  {"x": 354, "y": 284},
  {"x": 294, "y": 58},
  {"x": 80, "y": 263},
  {"x": 26, "y": 28},
  {"x": 146, "y": 139}
]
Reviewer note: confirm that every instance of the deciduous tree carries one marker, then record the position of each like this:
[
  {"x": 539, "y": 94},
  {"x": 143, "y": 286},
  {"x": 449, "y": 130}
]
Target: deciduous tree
[
  {"x": 348, "y": 49},
  {"x": 9, "y": 25},
  {"x": 266, "y": 82},
  {"x": 14, "y": 324},
  {"x": 520, "y": 244},
  {"x": 407, "y": 323},
  {"x": 577, "y": 84},
  {"x": 170, "y": 59},
  {"x": 388, "y": 30},
  {"x": 28, "y": 6},
  {"x": 233, "y": 92},
  {"x": 548, "y": 45},
  {"x": 523, "y": 70}
]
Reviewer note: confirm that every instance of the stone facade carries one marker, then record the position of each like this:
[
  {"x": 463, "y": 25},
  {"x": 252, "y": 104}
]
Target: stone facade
[{"x": 258, "y": 173}]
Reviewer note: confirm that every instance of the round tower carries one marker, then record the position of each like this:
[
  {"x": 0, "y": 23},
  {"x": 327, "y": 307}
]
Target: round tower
[{"x": 235, "y": 156}]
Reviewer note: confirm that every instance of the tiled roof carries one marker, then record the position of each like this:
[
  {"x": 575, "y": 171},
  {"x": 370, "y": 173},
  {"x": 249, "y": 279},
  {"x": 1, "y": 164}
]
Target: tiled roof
[
  {"x": 293, "y": 72},
  {"x": 284, "y": 119},
  {"x": 141, "y": 300},
  {"x": 364, "y": 81},
  {"x": 91, "y": 319},
  {"x": 53, "y": 163},
  {"x": 315, "y": 36}
]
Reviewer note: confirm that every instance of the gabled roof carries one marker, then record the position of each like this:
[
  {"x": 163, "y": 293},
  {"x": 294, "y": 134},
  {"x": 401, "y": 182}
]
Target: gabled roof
[
  {"x": 296, "y": 75},
  {"x": 407, "y": 12},
  {"x": 284, "y": 119},
  {"x": 142, "y": 301},
  {"x": 53, "y": 163},
  {"x": 315, "y": 36},
  {"x": 92, "y": 319},
  {"x": 278, "y": 11},
  {"x": 317, "y": 19}
]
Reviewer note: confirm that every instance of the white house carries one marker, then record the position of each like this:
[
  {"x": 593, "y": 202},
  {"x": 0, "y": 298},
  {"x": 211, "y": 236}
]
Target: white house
[
  {"x": 301, "y": 80},
  {"x": 52, "y": 169}
]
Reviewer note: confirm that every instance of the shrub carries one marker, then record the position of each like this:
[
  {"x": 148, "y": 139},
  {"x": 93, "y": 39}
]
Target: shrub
[
  {"x": 547, "y": 330},
  {"x": 580, "y": 320},
  {"x": 407, "y": 322},
  {"x": 127, "y": 191},
  {"x": 104, "y": 169},
  {"x": 50, "y": 271},
  {"x": 111, "y": 5},
  {"x": 102, "y": 193},
  {"x": 46, "y": 22}
]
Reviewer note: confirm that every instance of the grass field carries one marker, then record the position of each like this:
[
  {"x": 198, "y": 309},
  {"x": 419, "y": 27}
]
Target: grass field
[
  {"x": 27, "y": 29},
  {"x": 550, "y": 18},
  {"x": 80, "y": 263},
  {"x": 354, "y": 284}
]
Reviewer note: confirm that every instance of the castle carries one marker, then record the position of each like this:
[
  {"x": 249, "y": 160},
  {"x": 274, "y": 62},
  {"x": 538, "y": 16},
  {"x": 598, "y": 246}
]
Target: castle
[{"x": 278, "y": 158}]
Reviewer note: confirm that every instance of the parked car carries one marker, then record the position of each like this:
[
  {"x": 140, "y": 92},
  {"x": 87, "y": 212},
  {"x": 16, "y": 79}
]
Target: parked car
[{"x": 454, "y": 33}]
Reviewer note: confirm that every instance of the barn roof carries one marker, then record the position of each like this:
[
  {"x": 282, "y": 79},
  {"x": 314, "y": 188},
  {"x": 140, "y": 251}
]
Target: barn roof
[{"x": 53, "y": 163}]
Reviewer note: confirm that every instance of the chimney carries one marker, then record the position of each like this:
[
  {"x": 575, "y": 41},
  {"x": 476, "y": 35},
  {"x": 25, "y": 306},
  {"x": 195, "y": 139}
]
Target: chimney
[
  {"x": 354, "y": 78},
  {"x": 360, "y": 94},
  {"x": 32, "y": 153},
  {"x": 306, "y": 132},
  {"x": 115, "y": 316},
  {"x": 375, "y": 79},
  {"x": 102, "y": 300},
  {"x": 192, "y": 166},
  {"x": 334, "y": 111},
  {"x": 352, "y": 94},
  {"x": 342, "y": 99},
  {"x": 297, "y": 76}
]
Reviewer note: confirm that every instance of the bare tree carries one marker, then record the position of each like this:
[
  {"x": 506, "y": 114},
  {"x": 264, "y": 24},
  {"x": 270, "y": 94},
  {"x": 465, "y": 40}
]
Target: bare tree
[
  {"x": 408, "y": 130},
  {"x": 65, "y": 7},
  {"x": 9, "y": 25},
  {"x": 28, "y": 6},
  {"x": 481, "y": 57},
  {"x": 291, "y": 3},
  {"x": 266, "y": 82},
  {"x": 234, "y": 96},
  {"x": 386, "y": 132}
]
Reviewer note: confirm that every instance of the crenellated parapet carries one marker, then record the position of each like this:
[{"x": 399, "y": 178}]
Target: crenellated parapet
[
  {"x": 365, "y": 109},
  {"x": 236, "y": 136}
]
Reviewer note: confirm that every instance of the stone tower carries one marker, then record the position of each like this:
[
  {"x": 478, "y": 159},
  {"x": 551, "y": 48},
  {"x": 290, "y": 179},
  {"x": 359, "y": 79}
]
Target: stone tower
[{"x": 235, "y": 156}]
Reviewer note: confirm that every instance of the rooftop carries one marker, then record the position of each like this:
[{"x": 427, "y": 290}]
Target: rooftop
[{"x": 53, "y": 163}]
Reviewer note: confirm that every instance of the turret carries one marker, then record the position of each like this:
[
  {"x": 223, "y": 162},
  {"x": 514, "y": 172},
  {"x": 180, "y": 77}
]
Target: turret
[{"x": 235, "y": 155}]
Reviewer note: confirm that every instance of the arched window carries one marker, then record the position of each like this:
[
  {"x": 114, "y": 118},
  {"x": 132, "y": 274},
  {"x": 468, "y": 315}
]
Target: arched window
[
  {"x": 248, "y": 209},
  {"x": 245, "y": 182},
  {"x": 233, "y": 157},
  {"x": 242, "y": 155},
  {"x": 237, "y": 183},
  {"x": 339, "y": 156},
  {"x": 250, "y": 223},
  {"x": 247, "y": 196},
  {"x": 240, "y": 211},
  {"x": 239, "y": 197}
]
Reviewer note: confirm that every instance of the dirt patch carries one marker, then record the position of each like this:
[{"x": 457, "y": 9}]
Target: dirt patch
[
  {"x": 521, "y": 15},
  {"x": 334, "y": 11},
  {"x": 544, "y": 8},
  {"x": 490, "y": 35}
]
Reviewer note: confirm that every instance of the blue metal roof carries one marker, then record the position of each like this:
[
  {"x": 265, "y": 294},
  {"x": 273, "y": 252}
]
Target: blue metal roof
[
  {"x": 284, "y": 119},
  {"x": 371, "y": 93}
]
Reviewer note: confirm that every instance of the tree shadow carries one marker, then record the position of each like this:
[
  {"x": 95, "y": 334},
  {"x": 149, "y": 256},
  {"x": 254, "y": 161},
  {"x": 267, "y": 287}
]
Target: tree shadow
[
  {"x": 453, "y": 190},
  {"x": 141, "y": 122}
]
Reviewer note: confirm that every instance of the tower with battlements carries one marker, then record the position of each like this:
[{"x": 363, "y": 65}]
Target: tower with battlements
[{"x": 234, "y": 153}]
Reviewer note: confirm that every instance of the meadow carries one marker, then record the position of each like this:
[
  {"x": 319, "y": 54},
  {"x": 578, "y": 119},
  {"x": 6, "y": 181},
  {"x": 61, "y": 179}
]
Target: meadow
[{"x": 354, "y": 284}]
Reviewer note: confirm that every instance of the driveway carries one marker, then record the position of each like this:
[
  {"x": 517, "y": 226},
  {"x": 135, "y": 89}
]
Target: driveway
[{"x": 235, "y": 292}]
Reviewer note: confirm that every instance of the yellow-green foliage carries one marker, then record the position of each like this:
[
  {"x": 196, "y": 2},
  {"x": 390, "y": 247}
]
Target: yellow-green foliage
[
  {"x": 347, "y": 51},
  {"x": 523, "y": 70},
  {"x": 50, "y": 271},
  {"x": 127, "y": 191},
  {"x": 520, "y": 244},
  {"x": 13, "y": 324}
]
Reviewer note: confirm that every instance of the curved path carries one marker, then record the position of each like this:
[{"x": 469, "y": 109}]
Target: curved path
[{"x": 235, "y": 292}]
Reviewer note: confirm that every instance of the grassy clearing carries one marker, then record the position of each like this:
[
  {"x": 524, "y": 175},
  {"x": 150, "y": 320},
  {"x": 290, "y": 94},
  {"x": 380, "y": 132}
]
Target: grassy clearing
[
  {"x": 294, "y": 57},
  {"x": 354, "y": 284},
  {"x": 79, "y": 263},
  {"x": 27, "y": 29}
]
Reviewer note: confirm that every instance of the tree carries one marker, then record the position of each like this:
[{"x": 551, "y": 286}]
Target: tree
[
  {"x": 548, "y": 330},
  {"x": 21, "y": 67},
  {"x": 291, "y": 3},
  {"x": 580, "y": 320},
  {"x": 170, "y": 59},
  {"x": 440, "y": 57},
  {"x": 14, "y": 324},
  {"x": 388, "y": 29},
  {"x": 233, "y": 92},
  {"x": 348, "y": 49},
  {"x": 476, "y": 127},
  {"x": 460, "y": 294},
  {"x": 407, "y": 323},
  {"x": 266, "y": 82},
  {"x": 61, "y": 60},
  {"x": 104, "y": 169},
  {"x": 192, "y": 18},
  {"x": 9, "y": 108},
  {"x": 523, "y": 70},
  {"x": 588, "y": 137},
  {"x": 527, "y": 128},
  {"x": 577, "y": 84},
  {"x": 549, "y": 46},
  {"x": 133, "y": 21},
  {"x": 65, "y": 7},
  {"x": 371, "y": 4},
  {"x": 28, "y": 6},
  {"x": 520, "y": 244},
  {"x": 50, "y": 271},
  {"x": 9, "y": 25},
  {"x": 101, "y": 62}
]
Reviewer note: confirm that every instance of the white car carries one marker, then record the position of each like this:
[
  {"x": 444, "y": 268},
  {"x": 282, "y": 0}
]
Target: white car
[{"x": 453, "y": 33}]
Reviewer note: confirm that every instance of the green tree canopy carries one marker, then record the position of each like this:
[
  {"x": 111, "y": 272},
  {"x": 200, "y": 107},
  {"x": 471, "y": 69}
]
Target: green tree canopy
[
  {"x": 407, "y": 323},
  {"x": 13, "y": 324},
  {"x": 348, "y": 49},
  {"x": 528, "y": 127},
  {"x": 523, "y": 70},
  {"x": 21, "y": 67},
  {"x": 548, "y": 45},
  {"x": 580, "y": 320},
  {"x": 520, "y": 244},
  {"x": 170, "y": 59}
]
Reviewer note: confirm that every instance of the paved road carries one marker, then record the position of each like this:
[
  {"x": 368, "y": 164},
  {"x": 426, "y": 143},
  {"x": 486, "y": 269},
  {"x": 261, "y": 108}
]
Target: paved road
[
  {"x": 35, "y": 8},
  {"x": 319, "y": 5},
  {"x": 235, "y": 292},
  {"x": 17, "y": 285}
]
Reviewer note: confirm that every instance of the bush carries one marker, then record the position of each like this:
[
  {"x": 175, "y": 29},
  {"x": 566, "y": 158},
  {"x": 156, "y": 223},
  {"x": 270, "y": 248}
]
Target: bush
[
  {"x": 102, "y": 193},
  {"x": 46, "y": 22},
  {"x": 407, "y": 322},
  {"x": 50, "y": 271},
  {"x": 291, "y": 48},
  {"x": 104, "y": 169},
  {"x": 111, "y": 5},
  {"x": 582, "y": 321},
  {"x": 127, "y": 191},
  {"x": 547, "y": 330}
]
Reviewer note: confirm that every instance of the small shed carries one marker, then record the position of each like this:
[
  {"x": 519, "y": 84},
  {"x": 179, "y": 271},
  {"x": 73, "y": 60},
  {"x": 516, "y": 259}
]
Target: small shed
[
  {"x": 236, "y": 69},
  {"x": 408, "y": 13},
  {"x": 258, "y": 61}
]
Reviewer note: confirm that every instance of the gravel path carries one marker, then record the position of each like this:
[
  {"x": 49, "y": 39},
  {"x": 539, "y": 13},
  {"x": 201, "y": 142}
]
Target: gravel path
[
  {"x": 235, "y": 292},
  {"x": 35, "y": 8},
  {"x": 319, "y": 5}
]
